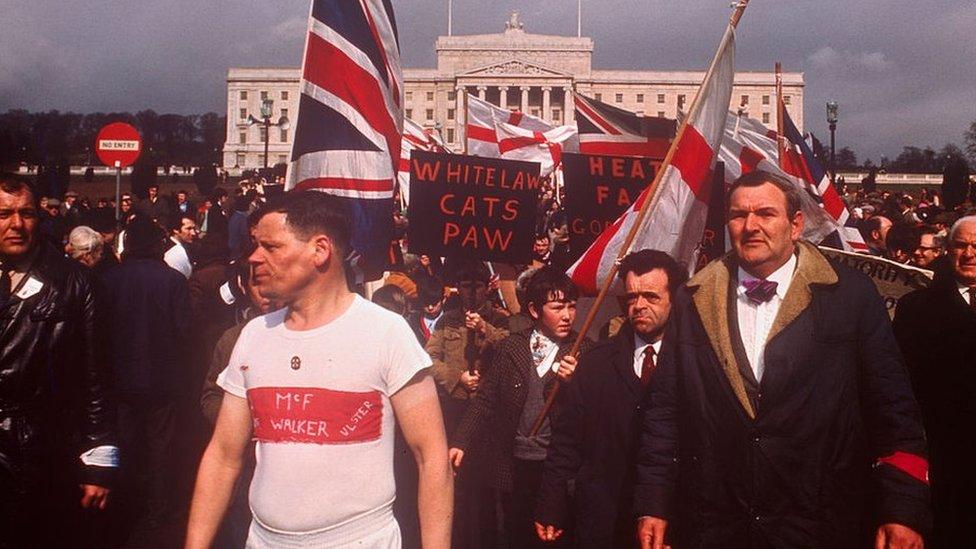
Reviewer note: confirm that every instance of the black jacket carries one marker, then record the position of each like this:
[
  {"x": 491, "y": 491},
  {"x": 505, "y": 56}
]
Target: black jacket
[
  {"x": 54, "y": 395},
  {"x": 150, "y": 345},
  {"x": 496, "y": 407},
  {"x": 936, "y": 329},
  {"x": 594, "y": 443},
  {"x": 805, "y": 466}
]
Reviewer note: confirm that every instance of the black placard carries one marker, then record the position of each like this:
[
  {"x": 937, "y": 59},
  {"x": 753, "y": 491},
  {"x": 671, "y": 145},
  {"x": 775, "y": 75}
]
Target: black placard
[
  {"x": 473, "y": 207},
  {"x": 598, "y": 190}
]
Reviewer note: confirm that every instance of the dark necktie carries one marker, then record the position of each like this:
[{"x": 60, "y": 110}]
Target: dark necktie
[
  {"x": 759, "y": 290},
  {"x": 972, "y": 298},
  {"x": 647, "y": 366}
]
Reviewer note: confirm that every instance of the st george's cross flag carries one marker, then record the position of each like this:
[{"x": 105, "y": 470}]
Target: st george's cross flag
[
  {"x": 415, "y": 137},
  {"x": 350, "y": 116},
  {"x": 676, "y": 217},
  {"x": 546, "y": 148},
  {"x": 605, "y": 130},
  {"x": 480, "y": 129}
]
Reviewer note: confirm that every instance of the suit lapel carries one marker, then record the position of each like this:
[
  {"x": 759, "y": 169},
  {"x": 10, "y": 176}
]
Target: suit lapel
[
  {"x": 811, "y": 268},
  {"x": 712, "y": 303},
  {"x": 623, "y": 363}
]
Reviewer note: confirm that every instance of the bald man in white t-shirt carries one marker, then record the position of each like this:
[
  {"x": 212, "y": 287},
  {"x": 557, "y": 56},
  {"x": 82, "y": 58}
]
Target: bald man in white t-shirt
[{"x": 318, "y": 385}]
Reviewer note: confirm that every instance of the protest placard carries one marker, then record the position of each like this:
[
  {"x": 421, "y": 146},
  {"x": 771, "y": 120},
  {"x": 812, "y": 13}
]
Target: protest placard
[
  {"x": 893, "y": 280},
  {"x": 598, "y": 190},
  {"x": 472, "y": 206}
]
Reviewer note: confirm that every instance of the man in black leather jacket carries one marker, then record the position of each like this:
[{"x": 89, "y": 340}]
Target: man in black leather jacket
[{"x": 57, "y": 426}]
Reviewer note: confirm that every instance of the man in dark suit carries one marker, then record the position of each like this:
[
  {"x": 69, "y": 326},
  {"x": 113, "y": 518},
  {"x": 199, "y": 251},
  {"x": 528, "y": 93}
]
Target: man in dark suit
[
  {"x": 781, "y": 414},
  {"x": 594, "y": 437},
  {"x": 511, "y": 397},
  {"x": 936, "y": 328}
]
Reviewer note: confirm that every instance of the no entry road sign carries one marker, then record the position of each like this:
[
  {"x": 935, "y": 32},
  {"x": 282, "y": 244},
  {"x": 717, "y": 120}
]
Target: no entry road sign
[{"x": 118, "y": 145}]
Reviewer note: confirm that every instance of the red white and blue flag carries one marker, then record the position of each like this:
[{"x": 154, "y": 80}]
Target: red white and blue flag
[
  {"x": 350, "y": 115},
  {"x": 611, "y": 131},
  {"x": 415, "y": 137}
]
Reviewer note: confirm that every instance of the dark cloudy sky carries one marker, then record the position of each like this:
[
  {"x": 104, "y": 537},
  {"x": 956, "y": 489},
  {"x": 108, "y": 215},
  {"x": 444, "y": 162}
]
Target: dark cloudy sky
[{"x": 903, "y": 71}]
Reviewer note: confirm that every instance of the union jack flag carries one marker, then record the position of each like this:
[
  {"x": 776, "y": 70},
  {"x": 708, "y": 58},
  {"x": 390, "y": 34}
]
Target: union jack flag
[
  {"x": 610, "y": 131},
  {"x": 350, "y": 115}
]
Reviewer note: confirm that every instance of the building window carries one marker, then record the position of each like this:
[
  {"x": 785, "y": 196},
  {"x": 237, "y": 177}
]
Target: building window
[
  {"x": 409, "y": 96},
  {"x": 240, "y": 160},
  {"x": 534, "y": 112},
  {"x": 765, "y": 118},
  {"x": 264, "y": 95},
  {"x": 744, "y": 100},
  {"x": 244, "y": 113},
  {"x": 263, "y": 133},
  {"x": 619, "y": 98},
  {"x": 284, "y": 95},
  {"x": 282, "y": 159},
  {"x": 452, "y": 96},
  {"x": 409, "y": 113},
  {"x": 430, "y": 114},
  {"x": 660, "y": 114},
  {"x": 660, "y": 98},
  {"x": 283, "y": 136},
  {"x": 557, "y": 115},
  {"x": 598, "y": 96},
  {"x": 243, "y": 95},
  {"x": 450, "y": 135},
  {"x": 640, "y": 98},
  {"x": 681, "y": 100},
  {"x": 430, "y": 96},
  {"x": 786, "y": 100},
  {"x": 450, "y": 114},
  {"x": 242, "y": 138},
  {"x": 765, "y": 100}
]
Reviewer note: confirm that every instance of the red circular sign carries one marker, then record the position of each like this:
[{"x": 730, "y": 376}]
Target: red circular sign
[{"x": 118, "y": 145}]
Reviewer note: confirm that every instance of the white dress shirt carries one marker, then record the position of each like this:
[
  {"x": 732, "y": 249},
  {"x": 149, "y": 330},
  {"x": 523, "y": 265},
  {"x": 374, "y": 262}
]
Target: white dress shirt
[
  {"x": 964, "y": 290},
  {"x": 639, "y": 347},
  {"x": 755, "y": 321},
  {"x": 177, "y": 258}
]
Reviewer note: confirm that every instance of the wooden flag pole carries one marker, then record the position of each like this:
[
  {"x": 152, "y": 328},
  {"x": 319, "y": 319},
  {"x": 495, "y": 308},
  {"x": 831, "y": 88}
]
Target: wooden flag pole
[
  {"x": 653, "y": 193},
  {"x": 467, "y": 113}
]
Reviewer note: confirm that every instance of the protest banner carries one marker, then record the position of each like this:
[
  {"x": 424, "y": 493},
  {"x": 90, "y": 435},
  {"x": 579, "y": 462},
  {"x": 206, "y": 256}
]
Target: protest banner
[
  {"x": 598, "y": 190},
  {"x": 472, "y": 206},
  {"x": 893, "y": 280}
]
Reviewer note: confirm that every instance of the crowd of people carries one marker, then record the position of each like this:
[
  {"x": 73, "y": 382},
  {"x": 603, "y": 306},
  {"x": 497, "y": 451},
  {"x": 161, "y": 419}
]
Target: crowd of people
[{"x": 210, "y": 374}]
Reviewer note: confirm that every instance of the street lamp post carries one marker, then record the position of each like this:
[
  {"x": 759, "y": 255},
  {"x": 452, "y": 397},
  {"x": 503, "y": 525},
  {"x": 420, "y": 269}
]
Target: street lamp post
[
  {"x": 267, "y": 109},
  {"x": 832, "y": 120}
]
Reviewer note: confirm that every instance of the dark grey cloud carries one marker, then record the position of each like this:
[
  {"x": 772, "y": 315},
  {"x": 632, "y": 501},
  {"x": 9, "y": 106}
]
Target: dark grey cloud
[{"x": 902, "y": 70}]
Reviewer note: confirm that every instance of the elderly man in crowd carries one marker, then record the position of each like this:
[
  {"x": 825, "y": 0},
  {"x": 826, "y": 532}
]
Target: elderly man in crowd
[{"x": 936, "y": 328}]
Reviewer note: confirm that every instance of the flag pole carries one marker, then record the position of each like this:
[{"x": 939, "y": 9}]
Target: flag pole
[
  {"x": 780, "y": 119},
  {"x": 653, "y": 194},
  {"x": 464, "y": 134}
]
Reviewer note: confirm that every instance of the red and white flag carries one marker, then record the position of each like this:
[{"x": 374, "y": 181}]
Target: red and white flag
[
  {"x": 480, "y": 130},
  {"x": 675, "y": 220},
  {"x": 415, "y": 137},
  {"x": 546, "y": 148}
]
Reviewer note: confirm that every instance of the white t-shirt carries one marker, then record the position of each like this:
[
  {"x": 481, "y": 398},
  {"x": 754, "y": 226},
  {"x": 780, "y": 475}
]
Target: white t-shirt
[{"x": 321, "y": 413}]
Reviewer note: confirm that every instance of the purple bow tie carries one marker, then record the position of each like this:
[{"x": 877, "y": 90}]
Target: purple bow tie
[{"x": 759, "y": 291}]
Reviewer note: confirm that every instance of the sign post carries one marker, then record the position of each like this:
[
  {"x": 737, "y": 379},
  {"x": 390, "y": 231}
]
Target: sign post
[{"x": 118, "y": 144}]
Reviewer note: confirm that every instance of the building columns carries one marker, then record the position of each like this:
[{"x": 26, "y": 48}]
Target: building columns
[
  {"x": 503, "y": 97},
  {"x": 546, "y": 113},
  {"x": 481, "y": 92},
  {"x": 569, "y": 109},
  {"x": 460, "y": 113},
  {"x": 524, "y": 105}
]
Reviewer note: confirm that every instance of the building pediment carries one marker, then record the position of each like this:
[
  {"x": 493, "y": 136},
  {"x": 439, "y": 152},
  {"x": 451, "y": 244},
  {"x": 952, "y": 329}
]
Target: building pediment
[{"x": 514, "y": 67}]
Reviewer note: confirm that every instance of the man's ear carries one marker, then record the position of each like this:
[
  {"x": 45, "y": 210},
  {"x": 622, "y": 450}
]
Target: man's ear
[
  {"x": 797, "y": 230},
  {"x": 323, "y": 249},
  {"x": 533, "y": 312}
]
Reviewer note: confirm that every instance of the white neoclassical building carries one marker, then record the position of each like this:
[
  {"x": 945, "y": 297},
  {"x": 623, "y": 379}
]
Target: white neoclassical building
[{"x": 514, "y": 69}]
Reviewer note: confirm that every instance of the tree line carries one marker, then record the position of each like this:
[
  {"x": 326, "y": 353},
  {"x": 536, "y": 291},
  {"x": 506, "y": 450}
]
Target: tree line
[{"x": 54, "y": 139}]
